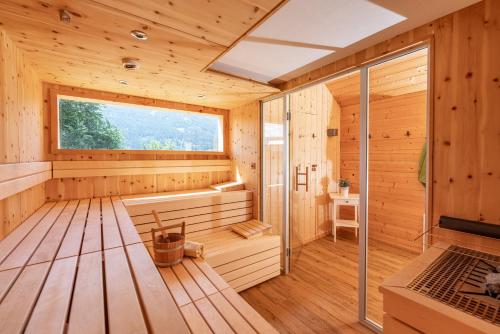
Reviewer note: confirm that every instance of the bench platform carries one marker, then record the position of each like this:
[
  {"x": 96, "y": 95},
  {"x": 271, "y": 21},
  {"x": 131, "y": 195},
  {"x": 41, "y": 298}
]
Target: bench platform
[
  {"x": 242, "y": 262},
  {"x": 81, "y": 267},
  {"x": 210, "y": 217}
]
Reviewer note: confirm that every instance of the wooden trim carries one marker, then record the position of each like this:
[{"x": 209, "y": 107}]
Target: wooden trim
[
  {"x": 17, "y": 177},
  {"x": 430, "y": 140},
  {"x": 56, "y": 90},
  {"x": 64, "y": 169},
  {"x": 23, "y": 169}
]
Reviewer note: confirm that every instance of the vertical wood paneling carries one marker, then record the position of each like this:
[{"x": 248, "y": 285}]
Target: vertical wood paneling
[
  {"x": 21, "y": 129},
  {"x": 397, "y": 124},
  {"x": 466, "y": 117},
  {"x": 313, "y": 111},
  {"x": 466, "y": 163},
  {"x": 244, "y": 135}
]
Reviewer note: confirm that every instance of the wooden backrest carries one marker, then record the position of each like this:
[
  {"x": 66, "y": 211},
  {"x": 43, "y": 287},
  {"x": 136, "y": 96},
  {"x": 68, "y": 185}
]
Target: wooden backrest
[
  {"x": 17, "y": 177},
  {"x": 203, "y": 212}
]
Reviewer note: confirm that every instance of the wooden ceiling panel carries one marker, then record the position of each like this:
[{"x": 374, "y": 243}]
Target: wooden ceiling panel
[
  {"x": 218, "y": 21},
  {"x": 182, "y": 40},
  {"x": 400, "y": 76}
]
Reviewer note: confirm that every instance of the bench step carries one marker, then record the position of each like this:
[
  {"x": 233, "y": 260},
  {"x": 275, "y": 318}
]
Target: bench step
[
  {"x": 242, "y": 262},
  {"x": 251, "y": 229}
]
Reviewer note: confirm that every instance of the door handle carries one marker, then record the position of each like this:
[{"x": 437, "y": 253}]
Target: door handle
[{"x": 297, "y": 174}]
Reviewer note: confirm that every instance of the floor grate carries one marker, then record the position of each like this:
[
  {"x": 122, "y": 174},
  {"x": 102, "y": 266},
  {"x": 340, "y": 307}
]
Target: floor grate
[{"x": 457, "y": 278}]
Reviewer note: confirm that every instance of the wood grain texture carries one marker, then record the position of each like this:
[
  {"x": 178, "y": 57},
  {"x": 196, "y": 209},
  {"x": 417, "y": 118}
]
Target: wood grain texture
[
  {"x": 397, "y": 126},
  {"x": 302, "y": 302},
  {"x": 244, "y": 141},
  {"x": 21, "y": 127},
  {"x": 313, "y": 111},
  {"x": 466, "y": 119},
  {"x": 183, "y": 37},
  {"x": 80, "y": 186},
  {"x": 69, "y": 169},
  {"x": 464, "y": 84}
]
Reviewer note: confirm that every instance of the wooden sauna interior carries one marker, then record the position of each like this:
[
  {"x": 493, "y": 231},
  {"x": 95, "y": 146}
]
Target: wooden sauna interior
[
  {"x": 69, "y": 216},
  {"x": 398, "y": 113}
]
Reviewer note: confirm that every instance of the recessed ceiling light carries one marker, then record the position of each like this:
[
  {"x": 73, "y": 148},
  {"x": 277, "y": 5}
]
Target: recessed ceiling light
[
  {"x": 201, "y": 96},
  {"x": 140, "y": 35},
  {"x": 130, "y": 63},
  {"x": 123, "y": 82}
]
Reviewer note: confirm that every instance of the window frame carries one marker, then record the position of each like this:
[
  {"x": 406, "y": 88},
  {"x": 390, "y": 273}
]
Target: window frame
[{"x": 117, "y": 98}]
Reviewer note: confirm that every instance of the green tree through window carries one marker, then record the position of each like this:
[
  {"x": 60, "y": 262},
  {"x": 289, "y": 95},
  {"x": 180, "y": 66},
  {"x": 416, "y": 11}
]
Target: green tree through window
[{"x": 83, "y": 126}]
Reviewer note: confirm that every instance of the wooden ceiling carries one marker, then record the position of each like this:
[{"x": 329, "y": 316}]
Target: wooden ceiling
[
  {"x": 400, "y": 76},
  {"x": 184, "y": 36}
]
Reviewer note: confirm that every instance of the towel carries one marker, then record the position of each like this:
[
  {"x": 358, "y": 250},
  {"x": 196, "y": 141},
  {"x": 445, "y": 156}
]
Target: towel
[
  {"x": 422, "y": 161},
  {"x": 193, "y": 249}
]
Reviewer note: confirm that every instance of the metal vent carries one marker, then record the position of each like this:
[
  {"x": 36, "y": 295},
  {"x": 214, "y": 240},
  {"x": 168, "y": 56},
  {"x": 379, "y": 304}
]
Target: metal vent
[{"x": 457, "y": 278}]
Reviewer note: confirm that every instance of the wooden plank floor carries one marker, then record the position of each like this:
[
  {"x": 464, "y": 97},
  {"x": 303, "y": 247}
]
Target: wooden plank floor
[{"x": 320, "y": 295}]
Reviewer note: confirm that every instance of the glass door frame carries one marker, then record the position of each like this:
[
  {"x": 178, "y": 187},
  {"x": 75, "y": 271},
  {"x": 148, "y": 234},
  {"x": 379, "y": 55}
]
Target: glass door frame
[
  {"x": 364, "y": 118},
  {"x": 364, "y": 177},
  {"x": 285, "y": 236}
]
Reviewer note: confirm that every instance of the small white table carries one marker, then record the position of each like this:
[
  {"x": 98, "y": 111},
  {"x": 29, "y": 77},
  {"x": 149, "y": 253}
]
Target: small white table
[{"x": 339, "y": 200}]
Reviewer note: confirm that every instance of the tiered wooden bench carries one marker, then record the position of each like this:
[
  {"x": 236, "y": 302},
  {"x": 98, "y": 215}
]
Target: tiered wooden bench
[
  {"x": 81, "y": 267},
  {"x": 209, "y": 217}
]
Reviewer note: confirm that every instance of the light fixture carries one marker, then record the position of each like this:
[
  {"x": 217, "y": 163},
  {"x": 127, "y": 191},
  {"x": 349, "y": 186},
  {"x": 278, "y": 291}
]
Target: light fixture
[
  {"x": 123, "y": 82},
  {"x": 201, "y": 96},
  {"x": 140, "y": 35},
  {"x": 130, "y": 64}
]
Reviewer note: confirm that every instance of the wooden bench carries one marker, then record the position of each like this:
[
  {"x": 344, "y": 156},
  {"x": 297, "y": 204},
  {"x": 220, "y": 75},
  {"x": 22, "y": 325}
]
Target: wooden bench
[
  {"x": 81, "y": 267},
  {"x": 209, "y": 216}
]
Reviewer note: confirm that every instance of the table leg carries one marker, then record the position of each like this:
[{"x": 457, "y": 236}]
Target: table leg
[
  {"x": 356, "y": 208},
  {"x": 334, "y": 225}
]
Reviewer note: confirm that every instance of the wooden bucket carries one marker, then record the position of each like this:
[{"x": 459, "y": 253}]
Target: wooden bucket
[{"x": 169, "y": 251}]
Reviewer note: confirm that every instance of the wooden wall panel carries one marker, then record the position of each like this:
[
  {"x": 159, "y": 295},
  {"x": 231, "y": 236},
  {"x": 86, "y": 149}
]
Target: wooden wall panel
[
  {"x": 313, "y": 111},
  {"x": 87, "y": 187},
  {"x": 397, "y": 137},
  {"x": 466, "y": 117},
  {"x": 465, "y": 87},
  {"x": 21, "y": 129},
  {"x": 244, "y": 136}
]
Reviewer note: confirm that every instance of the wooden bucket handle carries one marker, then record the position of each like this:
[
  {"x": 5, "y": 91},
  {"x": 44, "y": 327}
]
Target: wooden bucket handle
[{"x": 161, "y": 229}]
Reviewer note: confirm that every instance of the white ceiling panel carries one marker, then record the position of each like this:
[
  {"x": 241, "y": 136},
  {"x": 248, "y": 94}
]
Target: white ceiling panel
[
  {"x": 336, "y": 23},
  {"x": 263, "y": 62},
  {"x": 302, "y": 34}
]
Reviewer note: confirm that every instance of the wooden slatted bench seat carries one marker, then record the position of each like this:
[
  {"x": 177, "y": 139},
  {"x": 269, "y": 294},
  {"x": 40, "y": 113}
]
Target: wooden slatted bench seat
[
  {"x": 242, "y": 262},
  {"x": 81, "y": 267},
  {"x": 209, "y": 216}
]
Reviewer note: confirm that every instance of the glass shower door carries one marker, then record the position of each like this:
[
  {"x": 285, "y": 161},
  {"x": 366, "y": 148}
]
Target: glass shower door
[
  {"x": 274, "y": 160},
  {"x": 396, "y": 160}
]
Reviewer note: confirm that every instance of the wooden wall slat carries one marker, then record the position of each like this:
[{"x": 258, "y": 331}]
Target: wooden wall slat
[
  {"x": 21, "y": 127},
  {"x": 397, "y": 136},
  {"x": 244, "y": 139}
]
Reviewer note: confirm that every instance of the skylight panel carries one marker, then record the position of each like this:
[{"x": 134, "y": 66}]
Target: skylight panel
[
  {"x": 263, "y": 62},
  {"x": 335, "y": 23}
]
